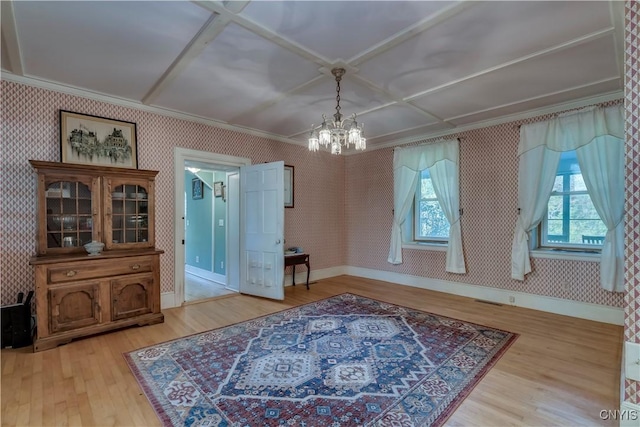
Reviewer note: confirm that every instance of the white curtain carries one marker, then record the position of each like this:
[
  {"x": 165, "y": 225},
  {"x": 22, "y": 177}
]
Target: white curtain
[
  {"x": 597, "y": 133},
  {"x": 444, "y": 176},
  {"x": 404, "y": 188},
  {"x": 536, "y": 174},
  {"x": 602, "y": 166},
  {"x": 407, "y": 165}
]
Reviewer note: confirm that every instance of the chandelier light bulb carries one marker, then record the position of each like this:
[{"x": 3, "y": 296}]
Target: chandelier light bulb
[{"x": 314, "y": 143}]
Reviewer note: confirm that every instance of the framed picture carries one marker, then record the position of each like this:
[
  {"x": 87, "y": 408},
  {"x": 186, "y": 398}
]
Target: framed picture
[
  {"x": 218, "y": 189},
  {"x": 288, "y": 186},
  {"x": 94, "y": 140},
  {"x": 197, "y": 189}
]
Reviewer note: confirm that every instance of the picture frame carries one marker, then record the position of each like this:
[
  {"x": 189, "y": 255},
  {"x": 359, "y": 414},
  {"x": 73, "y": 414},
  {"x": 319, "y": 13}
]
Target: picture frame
[
  {"x": 197, "y": 189},
  {"x": 95, "y": 140},
  {"x": 288, "y": 186},
  {"x": 218, "y": 189}
]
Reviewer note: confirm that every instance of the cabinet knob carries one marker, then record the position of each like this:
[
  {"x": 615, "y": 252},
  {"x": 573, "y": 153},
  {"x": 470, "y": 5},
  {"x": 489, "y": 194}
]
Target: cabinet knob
[
  {"x": 71, "y": 273},
  {"x": 135, "y": 267}
]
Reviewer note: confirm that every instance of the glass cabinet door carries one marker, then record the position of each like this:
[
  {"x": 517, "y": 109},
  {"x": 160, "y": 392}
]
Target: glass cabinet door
[
  {"x": 130, "y": 218},
  {"x": 129, "y": 222},
  {"x": 69, "y": 215}
]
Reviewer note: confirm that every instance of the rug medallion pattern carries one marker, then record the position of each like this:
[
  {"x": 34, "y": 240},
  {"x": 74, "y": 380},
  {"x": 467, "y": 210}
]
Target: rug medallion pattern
[{"x": 343, "y": 361}]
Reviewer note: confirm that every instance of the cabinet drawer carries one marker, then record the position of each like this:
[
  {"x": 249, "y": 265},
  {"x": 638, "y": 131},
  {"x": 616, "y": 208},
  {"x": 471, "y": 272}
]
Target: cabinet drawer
[{"x": 72, "y": 272}]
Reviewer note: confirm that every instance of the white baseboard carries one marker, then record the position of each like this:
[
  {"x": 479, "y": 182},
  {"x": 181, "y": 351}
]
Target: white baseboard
[
  {"x": 206, "y": 274},
  {"x": 583, "y": 310},
  {"x": 301, "y": 278},
  {"x": 167, "y": 300}
]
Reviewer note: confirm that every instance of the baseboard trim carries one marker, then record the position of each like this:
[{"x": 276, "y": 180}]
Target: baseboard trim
[
  {"x": 325, "y": 273},
  {"x": 167, "y": 300},
  {"x": 206, "y": 274},
  {"x": 582, "y": 310}
]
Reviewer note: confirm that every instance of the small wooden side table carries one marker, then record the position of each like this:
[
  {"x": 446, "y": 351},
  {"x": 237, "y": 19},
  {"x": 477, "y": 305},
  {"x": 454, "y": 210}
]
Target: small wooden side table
[{"x": 296, "y": 259}]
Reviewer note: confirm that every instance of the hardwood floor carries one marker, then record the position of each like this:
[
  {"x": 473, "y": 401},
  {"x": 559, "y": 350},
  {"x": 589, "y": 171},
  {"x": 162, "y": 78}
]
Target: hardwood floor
[
  {"x": 197, "y": 288},
  {"x": 560, "y": 371}
]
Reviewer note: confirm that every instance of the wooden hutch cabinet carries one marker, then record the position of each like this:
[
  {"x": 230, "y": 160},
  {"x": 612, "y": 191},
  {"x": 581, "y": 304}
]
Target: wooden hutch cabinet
[{"x": 78, "y": 294}]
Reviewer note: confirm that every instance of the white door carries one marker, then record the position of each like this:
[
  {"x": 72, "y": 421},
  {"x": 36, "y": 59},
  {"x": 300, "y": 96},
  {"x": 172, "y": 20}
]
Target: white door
[
  {"x": 262, "y": 230},
  {"x": 233, "y": 230}
]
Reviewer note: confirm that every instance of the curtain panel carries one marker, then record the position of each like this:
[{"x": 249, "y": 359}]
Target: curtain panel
[
  {"x": 441, "y": 159},
  {"x": 597, "y": 136}
]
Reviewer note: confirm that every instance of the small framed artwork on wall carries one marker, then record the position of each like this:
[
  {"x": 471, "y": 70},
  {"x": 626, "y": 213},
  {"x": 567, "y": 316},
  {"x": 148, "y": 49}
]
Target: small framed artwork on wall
[
  {"x": 218, "y": 189},
  {"x": 94, "y": 140},
  {"x": 288, "y": 186},
  {"x": 197, "y": 189}
]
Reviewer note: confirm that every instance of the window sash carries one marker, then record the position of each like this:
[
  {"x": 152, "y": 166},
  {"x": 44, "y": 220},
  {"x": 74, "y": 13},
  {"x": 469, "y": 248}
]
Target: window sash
[
  {"x": 416, "y": 215},
  {"x": 543, "y": 229}
]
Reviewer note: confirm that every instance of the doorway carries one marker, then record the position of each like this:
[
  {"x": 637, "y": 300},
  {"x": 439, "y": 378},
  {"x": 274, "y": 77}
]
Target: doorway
[
  {"x": 205, "y": 232},
  {"x": 206, "y": 197}
]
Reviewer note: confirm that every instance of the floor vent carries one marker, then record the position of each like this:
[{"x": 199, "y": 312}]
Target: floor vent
[{"x": 489, "y": 302}]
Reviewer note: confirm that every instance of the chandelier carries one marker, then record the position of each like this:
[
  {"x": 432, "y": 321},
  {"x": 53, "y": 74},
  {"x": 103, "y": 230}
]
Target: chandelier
[{"x": 338, "y": 132}]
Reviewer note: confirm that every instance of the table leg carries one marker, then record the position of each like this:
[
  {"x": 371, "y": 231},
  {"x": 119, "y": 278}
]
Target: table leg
[
  {"x": 293, "y": 277},
  {"x": 308, "y": 272}
]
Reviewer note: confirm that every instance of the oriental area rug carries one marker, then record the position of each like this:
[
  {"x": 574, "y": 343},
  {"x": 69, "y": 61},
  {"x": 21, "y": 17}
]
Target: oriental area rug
[{"x": 343, "y": 361}]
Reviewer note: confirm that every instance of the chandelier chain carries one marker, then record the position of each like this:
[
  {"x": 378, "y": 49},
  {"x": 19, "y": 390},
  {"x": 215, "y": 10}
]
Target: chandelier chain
[{"x": 338, "y": 116}]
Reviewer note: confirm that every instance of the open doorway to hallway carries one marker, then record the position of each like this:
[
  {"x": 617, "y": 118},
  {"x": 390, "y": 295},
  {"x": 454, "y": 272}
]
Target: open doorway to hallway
[
  {"x": 205, "y": 230},
  {"x": 184, "y": 192}
]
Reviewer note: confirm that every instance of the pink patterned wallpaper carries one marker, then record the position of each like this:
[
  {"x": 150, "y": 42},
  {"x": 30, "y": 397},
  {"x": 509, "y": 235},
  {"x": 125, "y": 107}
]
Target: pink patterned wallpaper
[
  {"x": 488, "y": 195},
  {"x": 30, "y": 131},
  {"x": 632, "y": 208}
]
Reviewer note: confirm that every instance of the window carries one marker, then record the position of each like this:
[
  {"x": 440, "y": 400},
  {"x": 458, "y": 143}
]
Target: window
[
  {"x": 430, "y": 222},
  {"x": 571, "y": 221}
]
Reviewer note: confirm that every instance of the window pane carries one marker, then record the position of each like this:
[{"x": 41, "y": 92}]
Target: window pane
[
  {"x": 587, "y": 231},
  {"x": 426, "y": 186},
  {"x": 582, "y": 207},
  {"x": 571, "y": 218},
  {"x": 577, "y": 183},
  {"x": 557, "y": 184},
  {"x": 554, "y": 231},
  {"x": 555, "y": 209},
  {"x": 432, "y": 222}
]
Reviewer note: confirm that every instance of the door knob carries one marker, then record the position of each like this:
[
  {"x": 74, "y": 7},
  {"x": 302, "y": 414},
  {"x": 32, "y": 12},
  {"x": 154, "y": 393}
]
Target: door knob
[{"x": 278, "y": 242}]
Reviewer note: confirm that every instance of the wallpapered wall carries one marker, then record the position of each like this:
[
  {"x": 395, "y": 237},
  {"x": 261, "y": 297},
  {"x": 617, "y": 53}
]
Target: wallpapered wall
[
  {"x": 30, "y": 130},
  {"x": 488, "y": 196},
  {"x": 632, "y": 208}
]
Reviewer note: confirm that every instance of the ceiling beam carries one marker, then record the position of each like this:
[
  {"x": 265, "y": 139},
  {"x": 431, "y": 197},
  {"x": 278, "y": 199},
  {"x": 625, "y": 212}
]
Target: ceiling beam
[
  {"x": 209, "y": 31},
  {"x": 557, "y": 48},
  {"x": 10, "y": 38},
  {"x": 429, "y": 22},
  {"x": 265, "y": 33}
]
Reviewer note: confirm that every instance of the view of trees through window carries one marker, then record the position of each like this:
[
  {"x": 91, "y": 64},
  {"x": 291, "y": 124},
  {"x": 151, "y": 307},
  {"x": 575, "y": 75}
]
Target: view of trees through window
[
  {"x": 571, "y": 217},
  {"x": 431, "y": 223}
]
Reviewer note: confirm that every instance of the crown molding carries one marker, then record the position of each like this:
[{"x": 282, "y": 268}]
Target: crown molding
[
  {"x": 583, "y": 102},
  {"x": 123, "y": 102},
  {"x": 97, "y": 96}
]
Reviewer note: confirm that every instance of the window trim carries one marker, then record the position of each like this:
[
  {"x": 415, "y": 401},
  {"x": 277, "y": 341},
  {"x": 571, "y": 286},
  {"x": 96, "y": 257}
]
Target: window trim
[
  {"x": 565, "y": 250},
  {"x": 418, "y": 243},
  {"x": 568, "y": 255}
]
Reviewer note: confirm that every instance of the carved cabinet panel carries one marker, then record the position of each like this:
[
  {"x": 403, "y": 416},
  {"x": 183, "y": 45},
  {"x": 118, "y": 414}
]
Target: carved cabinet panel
[
  {"x": 74, "y": 307},
  {"x": 131, "y": 296}
]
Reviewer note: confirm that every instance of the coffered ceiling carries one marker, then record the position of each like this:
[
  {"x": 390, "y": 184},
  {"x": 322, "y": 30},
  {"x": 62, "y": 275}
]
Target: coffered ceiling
[{"x": 414, "y": 68}]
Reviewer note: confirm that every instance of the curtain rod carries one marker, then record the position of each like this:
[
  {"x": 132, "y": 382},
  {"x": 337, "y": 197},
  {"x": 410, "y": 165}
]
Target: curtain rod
[{"x": 460, "y": 138}]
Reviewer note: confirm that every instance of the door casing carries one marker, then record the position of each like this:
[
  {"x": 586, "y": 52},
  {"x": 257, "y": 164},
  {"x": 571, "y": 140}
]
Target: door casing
[{"x": 181, "y": 155}]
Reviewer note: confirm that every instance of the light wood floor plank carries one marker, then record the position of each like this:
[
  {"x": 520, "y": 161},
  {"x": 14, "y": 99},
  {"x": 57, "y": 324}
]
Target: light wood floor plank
[{"x": 560, "y": 371}]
